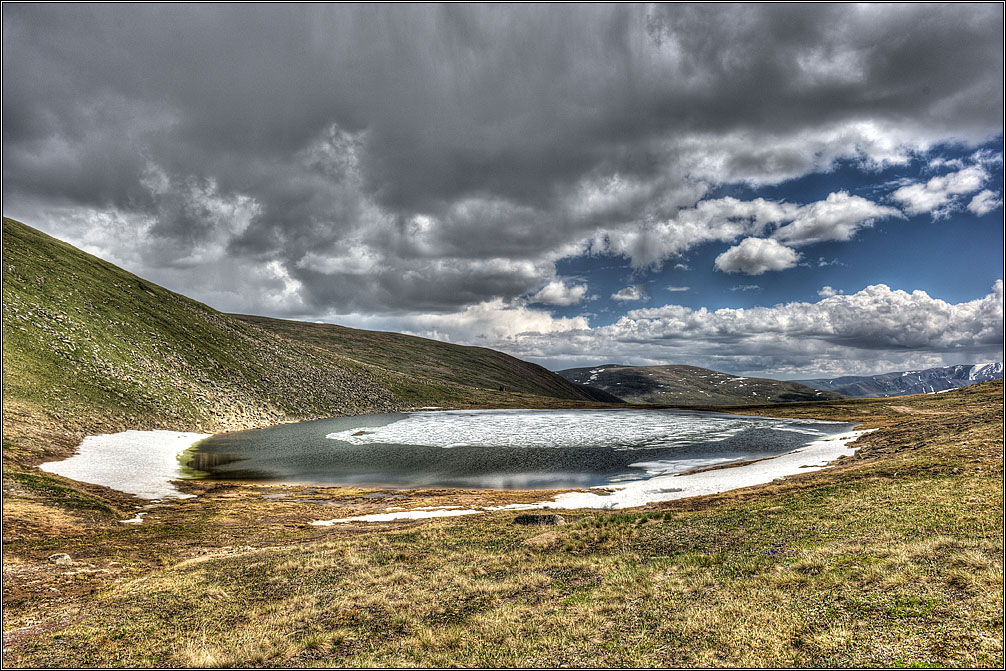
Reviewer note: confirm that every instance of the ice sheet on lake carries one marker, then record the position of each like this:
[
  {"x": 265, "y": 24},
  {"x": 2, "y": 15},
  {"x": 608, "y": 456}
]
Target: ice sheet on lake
[
  {"x": 142, "y": 463},
  {"x": 618, "y": 429}
]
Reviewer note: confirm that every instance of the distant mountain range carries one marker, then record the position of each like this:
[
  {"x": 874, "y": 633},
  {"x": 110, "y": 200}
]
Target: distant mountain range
[
  {"x": 903, "y": 383},
  {"x": 690, "y": 385}
]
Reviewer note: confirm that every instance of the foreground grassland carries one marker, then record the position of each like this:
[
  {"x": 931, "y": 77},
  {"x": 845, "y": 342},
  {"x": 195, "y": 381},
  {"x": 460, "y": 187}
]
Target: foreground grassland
[{"x": 890, "y": 558}]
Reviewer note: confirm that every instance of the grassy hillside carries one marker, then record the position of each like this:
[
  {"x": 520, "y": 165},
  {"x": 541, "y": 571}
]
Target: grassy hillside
[
  {"x": 91, "y": 348},
  {"x": 892, "y": 558},
  {"x": 690, "y": 385},
  {"x": 418, "y": 357}
]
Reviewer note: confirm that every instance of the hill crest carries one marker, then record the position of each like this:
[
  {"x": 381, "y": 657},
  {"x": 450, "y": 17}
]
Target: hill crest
[{"x": 91, "y": 348}]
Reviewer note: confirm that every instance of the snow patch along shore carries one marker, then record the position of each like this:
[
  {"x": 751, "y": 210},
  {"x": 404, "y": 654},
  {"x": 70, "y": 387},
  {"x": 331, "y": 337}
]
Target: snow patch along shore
[
  {"x": 142, "y": 463},
  {"x": 447, "y": 511},
  {"x": 812, "y": 457}
]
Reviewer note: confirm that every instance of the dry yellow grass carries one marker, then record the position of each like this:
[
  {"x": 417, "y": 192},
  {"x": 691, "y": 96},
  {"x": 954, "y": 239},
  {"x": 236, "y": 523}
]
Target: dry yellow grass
[{"x": 893, "y": 558}]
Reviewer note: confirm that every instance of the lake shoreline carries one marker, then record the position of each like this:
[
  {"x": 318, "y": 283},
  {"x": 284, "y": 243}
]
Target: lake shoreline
[
  {"x": 152, "y": 480},
  {"x": 820, "y": 453}
]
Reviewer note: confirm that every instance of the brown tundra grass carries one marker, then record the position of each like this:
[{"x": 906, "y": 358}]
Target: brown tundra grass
[{"x": 892, "y": 558}]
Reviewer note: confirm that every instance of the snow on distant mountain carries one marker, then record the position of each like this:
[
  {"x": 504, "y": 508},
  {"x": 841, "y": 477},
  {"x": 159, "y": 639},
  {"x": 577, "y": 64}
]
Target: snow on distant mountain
[{"x": 903, "y": 383}]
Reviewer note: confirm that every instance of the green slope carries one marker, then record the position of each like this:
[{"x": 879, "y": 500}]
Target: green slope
[
  {"x": 89, "y": 347},
  {"x": 413, "y": 356},
  {"x": 691, "y": 385}
]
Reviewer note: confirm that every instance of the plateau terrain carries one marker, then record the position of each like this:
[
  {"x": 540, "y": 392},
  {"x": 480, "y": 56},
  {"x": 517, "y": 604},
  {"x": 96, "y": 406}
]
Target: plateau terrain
[{"x": 889, "y": 557}]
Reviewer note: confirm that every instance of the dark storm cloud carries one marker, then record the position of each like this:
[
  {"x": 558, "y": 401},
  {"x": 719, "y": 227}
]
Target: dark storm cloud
[{"x": 394, "y": 158}]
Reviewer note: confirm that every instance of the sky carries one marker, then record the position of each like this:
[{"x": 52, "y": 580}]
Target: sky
[{"x": 781, "y": 190}]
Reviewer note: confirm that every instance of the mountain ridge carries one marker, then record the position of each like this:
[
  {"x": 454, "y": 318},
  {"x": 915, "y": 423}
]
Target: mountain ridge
[
  {"x": 417, "y": 356},
  {"x": 690, "y": 385},
  {"x": 903, "y": 383}
]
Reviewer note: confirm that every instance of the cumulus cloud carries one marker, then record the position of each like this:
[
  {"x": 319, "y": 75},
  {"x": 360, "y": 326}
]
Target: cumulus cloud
[
  {"x": 942, "y": 162},
  {"x": 838, "y": 217},
  {"x": 875, "y": 330},
  {"x": 633, "y": 293},
  {"x": 984, "y": 202},
  {"x": 721, "y": 219},
  {"x": 755, "y": 256},
  {"x": 675, "y": 289},
  {"x": 558, "y": 292},
  {"x": 877, "y": 317},
  {"x": 492, "y": 323},
  {"x": 938, "y": 195}
]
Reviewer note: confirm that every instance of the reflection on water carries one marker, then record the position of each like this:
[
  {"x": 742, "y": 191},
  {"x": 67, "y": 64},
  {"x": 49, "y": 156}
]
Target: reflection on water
[
  {"x": 498, "y": 449},
  {"x": 208, "y": 461}
]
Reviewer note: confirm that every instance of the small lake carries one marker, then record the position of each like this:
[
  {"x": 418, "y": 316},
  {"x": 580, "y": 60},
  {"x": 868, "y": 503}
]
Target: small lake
[{"x": 498, "y": 449}]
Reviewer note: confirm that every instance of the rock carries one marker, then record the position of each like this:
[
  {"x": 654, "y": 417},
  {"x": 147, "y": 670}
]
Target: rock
[
  {"x": 539, "y": 520},
  {"x": 60, "y": 558}
]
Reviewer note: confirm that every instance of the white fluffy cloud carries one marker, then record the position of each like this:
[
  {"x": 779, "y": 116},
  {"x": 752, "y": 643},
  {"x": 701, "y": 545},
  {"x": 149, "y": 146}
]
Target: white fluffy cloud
[
  {"x": 649, "y": 244},
  {"x": 754, "y": 256},
  {"x": 938, "y": 195},
  {"x": 558, "y": 292},
  {"x": 493, "y": 323},
  {"x": 877, "y": 317},
  {"x": 715, "y": 220},
  {"x": 872, "y": 331},
  {"x": 495, "y": 320},
  {"x": 837, "y": 217},
  {"x": 633, "y": 293},
  {"x": 985, "y": 202}
]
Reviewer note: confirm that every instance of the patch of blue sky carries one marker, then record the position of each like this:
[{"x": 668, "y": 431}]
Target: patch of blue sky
[{"x": 956, "y": 258}]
